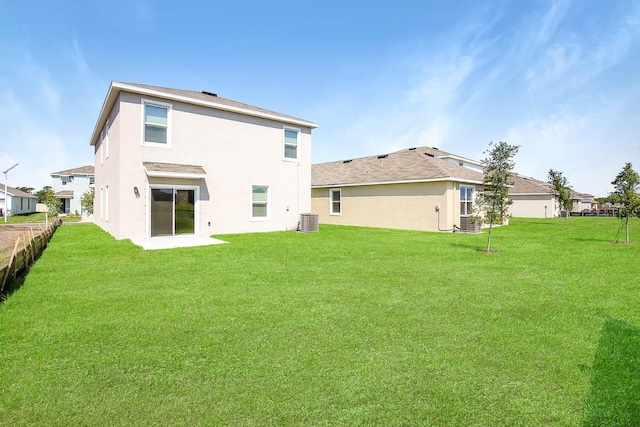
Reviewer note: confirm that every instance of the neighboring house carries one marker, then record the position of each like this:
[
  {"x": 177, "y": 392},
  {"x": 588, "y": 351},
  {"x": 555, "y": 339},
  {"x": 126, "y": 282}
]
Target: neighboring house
[
  {"x": 419, "y": 188},
  {"x": 70, "y": 185},
  {"x": 532, "y": 198},
  {"x": 583, "y": 202},
  {"x": 172, "y": 162},
  {"x": 18, "y": 202}
]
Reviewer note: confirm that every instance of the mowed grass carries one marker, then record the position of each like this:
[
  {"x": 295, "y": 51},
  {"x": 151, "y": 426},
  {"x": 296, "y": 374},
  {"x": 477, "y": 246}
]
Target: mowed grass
[
  {"x": 348, "y": 326},
  {"x": 40, "y": 217}
]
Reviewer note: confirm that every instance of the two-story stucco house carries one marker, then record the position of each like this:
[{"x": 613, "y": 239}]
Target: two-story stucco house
[
  {"x": 172, "y": 163},
  {"x": 70, "y": 185}
]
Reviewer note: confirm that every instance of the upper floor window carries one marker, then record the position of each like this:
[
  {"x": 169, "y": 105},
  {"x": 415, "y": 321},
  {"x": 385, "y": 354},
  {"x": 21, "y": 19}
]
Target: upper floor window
[
  {"x": 291, "y": 143},
  {"x": 92, "y": 179},
  {"x": 466, "y": 201},
  {"x": 156, "y": 120},
  {"x": 336, "y": 201},
  {"x": 101, "y": 146},
  {"x": 65, "y": 180}
]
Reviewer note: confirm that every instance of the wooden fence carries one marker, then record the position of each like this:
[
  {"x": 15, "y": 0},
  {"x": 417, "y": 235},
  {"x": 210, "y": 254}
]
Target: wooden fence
[{"x": 29, "y": 244}]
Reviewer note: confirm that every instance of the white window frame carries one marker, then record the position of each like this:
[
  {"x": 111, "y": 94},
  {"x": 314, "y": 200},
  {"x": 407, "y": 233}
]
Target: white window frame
[
  {"x": 284, "y": 143},
  {"x": 261, "y": 218},
  {"x": 196, "y": 200},
  {"x": 473, "y": 199},
  {"x": 101, "y": 203},
  {"x": 106, "y": 139},
  {"x": 101, "y": 147},
  {"x": 143, "y": 103},
  {"x": 331, "y": 211},
  {"x": 65, "y": 180},
  {"x": 106, "y": 203}
]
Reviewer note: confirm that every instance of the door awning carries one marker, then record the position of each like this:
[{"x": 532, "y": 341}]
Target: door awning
[
  {"x": 174, "y": 170},
  {"x": 66, "y": 194}
]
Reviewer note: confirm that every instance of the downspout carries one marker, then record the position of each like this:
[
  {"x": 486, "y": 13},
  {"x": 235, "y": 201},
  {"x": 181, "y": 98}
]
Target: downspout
[{"x": 454, "y": 229}]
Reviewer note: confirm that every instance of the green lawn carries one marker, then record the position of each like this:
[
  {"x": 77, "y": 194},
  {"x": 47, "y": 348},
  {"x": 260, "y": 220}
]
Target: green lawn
[
  {"x": 38, "y": 217},
  {"x": 348, "y": 326}
]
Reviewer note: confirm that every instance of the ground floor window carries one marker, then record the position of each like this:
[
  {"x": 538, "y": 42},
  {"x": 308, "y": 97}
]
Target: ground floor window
[
  {"x": 466, "y": 201},
  {"x": 335, "y": 196},
  {"x": 259, "y": 201},
  {"x": 173, "y": 211}
]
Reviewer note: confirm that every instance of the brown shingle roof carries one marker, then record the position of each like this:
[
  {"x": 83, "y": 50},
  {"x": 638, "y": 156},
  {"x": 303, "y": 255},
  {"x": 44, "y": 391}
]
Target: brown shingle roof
[
  {"x": 16, "y": 193},
  {"x": 416, "y": 164},
  {"x": 173, "y": 168},
  {"x": 82, "y": 170},
  {"x": 526, "y": 185},
  {"x": 64, "y": 194},
  {"x": 191, "y": 97},
  {"x": 192, "y": 94}
]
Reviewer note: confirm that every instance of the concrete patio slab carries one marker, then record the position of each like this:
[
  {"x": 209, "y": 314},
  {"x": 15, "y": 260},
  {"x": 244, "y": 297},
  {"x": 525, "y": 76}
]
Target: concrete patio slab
[{"x": 157, "y": 243}]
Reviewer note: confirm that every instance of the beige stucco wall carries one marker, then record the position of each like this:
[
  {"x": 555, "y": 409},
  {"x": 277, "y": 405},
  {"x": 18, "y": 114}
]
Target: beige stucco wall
[
  {"x": 533, "y": 206},
  {"x": 236, "y": 151},
  {"x": 405, "y": 206}
]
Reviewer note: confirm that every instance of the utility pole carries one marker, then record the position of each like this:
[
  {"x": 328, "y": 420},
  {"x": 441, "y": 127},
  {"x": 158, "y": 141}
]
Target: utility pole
[{"x": 6, "y": 190}]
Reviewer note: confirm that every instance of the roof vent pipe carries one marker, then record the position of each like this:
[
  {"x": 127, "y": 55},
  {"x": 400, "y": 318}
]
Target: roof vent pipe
[{"x": 210, "y": 93}]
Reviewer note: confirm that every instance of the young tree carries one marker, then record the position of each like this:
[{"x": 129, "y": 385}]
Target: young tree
[
  {"x": 52, "y": 202},
  {"x": 86, "y": 201},
  {"x": 42, "y": 194},
  {"x": 561, "y": 191},
  {"x": 626, "y": 186},
  {"x": 494, "y": 200}
]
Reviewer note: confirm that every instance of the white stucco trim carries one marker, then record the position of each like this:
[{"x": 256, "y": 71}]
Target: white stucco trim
[{"x": 461, "y": 159}]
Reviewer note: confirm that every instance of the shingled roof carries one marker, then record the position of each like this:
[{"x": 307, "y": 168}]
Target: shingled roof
[
  {"x": 526, "y": 185},
  {"x": 16, "y": 193},
  {"x": 203, "y": 98},
  {"x": 82, "y": 170},
  {"x": 410, "y": 165}
]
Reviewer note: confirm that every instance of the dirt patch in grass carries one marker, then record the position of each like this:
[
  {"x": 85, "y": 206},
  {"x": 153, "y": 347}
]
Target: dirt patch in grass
[
  {"x": 8, "y": 235},
  {"x": 488, "y": 252}
]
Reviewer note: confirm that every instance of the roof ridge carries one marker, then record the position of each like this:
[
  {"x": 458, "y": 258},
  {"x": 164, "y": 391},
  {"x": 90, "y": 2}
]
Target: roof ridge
[
  {"x": 427, "y": 158},
  {"x": 197, "y": 95}
]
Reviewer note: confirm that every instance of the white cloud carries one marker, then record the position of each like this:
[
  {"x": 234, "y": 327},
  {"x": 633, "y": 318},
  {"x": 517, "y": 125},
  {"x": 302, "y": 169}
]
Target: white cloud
[
  {"x": 588, "y": 141},
  {"x": 82, "y": 66},
  {"x": 43, "y": 126},
  {"x": 552, "y": 20}
]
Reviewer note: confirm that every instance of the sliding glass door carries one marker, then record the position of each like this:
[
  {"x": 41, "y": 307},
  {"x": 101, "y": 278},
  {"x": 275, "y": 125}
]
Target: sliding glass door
[{"x": 172, "y": 212}]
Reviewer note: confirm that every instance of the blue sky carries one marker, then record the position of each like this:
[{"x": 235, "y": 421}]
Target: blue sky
[{"x": 559, "y": 78}]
